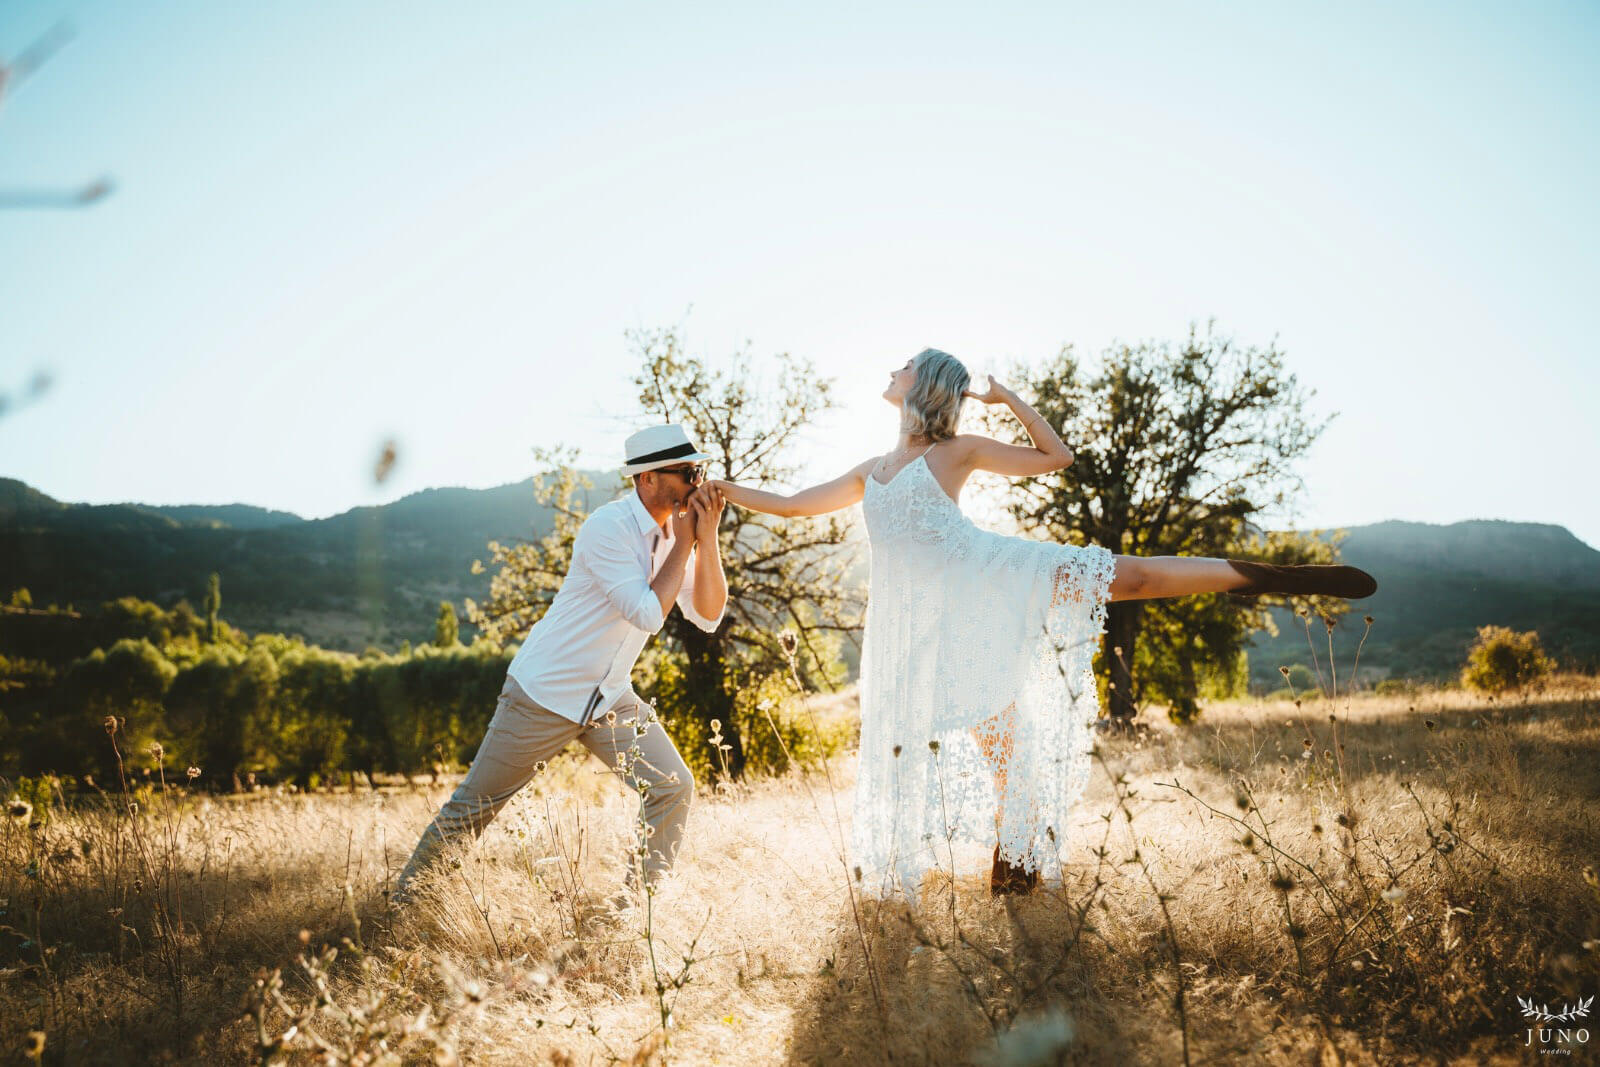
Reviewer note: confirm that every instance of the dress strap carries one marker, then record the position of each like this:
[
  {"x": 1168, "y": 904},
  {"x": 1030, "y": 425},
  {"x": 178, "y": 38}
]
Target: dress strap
[{"x": 878, "y": 466}]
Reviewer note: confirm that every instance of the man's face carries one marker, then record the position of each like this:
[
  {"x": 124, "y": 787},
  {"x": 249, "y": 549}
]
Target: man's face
[{"x": 671, "y": 487}]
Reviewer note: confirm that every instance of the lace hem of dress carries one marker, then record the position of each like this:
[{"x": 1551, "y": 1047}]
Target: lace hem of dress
[{"x": 1013, "y": 779}]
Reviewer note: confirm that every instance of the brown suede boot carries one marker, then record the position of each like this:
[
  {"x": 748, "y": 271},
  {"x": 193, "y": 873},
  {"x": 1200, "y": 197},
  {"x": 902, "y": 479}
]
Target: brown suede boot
[
  {"x": 1008, "y": 878},
  {"x": 1351, "y": 583}
]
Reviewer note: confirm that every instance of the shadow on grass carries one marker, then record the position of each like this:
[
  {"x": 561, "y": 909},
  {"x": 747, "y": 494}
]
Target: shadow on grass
[
  {"x": 917, "y": 986},
  {"x": 84, "y": 963}
]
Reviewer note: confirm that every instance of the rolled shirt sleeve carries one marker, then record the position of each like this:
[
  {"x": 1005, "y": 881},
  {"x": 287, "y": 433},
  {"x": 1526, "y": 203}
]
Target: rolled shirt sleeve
[
  {"x": 615, "y": 567},
  {"x": 686, "y": 597}
]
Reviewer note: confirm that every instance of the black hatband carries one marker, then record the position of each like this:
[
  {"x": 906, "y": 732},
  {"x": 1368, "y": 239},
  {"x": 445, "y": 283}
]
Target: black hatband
[{"x": 666, "y": 453}]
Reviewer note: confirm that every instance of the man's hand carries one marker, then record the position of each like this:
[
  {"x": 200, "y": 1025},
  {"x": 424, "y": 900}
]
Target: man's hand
[
  {"x": 708, "y": 503},
  {"x": 683, "y": 522}
]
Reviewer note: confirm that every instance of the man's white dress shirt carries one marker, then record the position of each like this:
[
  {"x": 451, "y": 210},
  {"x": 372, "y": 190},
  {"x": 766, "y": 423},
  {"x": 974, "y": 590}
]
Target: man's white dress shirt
[{"x": 577, "y": 658}]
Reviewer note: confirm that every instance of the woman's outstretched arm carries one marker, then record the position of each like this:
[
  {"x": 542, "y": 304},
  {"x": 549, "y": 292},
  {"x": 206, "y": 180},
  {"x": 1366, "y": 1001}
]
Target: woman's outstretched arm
[
  {"x": 817, "y": 500},
  {"x": 1049, "y": 452}
]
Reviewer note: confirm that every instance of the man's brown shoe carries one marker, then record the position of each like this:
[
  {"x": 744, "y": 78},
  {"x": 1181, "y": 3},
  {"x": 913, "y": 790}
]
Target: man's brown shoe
[
  {"x": 1352, "y": 583},
  {"x": 1008, "y": 878}
]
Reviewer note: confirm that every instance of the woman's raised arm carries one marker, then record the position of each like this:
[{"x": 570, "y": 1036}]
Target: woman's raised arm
[
  {"x": 817, "y": 500},
  {"x": 1048, "y": 453}
]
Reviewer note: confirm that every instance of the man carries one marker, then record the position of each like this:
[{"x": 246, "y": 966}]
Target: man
[{"x": 632, "y": 559}]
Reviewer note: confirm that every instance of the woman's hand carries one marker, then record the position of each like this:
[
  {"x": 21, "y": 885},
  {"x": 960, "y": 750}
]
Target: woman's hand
[{"x": 996, "y": 394}]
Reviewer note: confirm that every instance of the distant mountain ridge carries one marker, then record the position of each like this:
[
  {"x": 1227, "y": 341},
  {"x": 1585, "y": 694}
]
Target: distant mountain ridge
[
  {"x": 377, "y": 574},
  {"x": 1483, "y": 548},
  {"x": 367, "y": 575},
  {"x": 1438, "y": 584}
]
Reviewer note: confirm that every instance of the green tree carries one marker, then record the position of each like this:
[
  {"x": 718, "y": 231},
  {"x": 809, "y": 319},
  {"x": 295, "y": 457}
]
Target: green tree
[
  {"x": 1176, "y": 451},
  {"x": 213, "y": 606},
  {"x": 1501, "y": 659},
  {"x": 128, "y": 681},
  {"x": 784, "y": 576},
  {"x": 446, "y": 630}
]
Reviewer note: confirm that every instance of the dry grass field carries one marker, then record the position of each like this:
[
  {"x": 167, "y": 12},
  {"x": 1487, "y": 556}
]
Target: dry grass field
[{"x": 1367, "y": 880}]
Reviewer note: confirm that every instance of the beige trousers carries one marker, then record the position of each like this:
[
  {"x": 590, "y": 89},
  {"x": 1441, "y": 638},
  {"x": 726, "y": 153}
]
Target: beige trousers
[{"x": 524, "y": 735}]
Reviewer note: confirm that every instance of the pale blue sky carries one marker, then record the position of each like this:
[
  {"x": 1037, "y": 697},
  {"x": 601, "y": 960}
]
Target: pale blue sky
[{"x": 337, "y": 222}]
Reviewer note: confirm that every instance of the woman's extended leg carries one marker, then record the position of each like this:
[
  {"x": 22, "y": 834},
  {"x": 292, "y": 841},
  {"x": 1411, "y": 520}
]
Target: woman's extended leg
[{"x": 1152, "y": 577}]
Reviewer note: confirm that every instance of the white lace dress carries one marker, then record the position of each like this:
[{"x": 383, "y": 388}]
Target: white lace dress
[{"x": 975, "y": 671}]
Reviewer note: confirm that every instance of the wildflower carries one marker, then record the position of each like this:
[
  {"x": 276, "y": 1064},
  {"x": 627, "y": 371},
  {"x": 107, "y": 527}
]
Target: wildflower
[
  {"x": 1367, "y": 619},
  {"x": 1357, "y": 965},
  {"x": 1591, "y": 877},
  {"x": 193, "y": 773},
  {"x": 1284, "y": 671},
  {"x": 19, "y": 809},
  {"x": 933, "y": 746},
  {"x": 1429, "y": 723},
  {"x": 1282, "y": 882},
  {"x": 1394, "y": 894},
  {"x": 34, "y": 1048},
  {"x": 156, "y": 751},
  {"x": 789, "y": 643},
  {"x": 897, "y": 750},
  {"x": 110, "y": 724}
]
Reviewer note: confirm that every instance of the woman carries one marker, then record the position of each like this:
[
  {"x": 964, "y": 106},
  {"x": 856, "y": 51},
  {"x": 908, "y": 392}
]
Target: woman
[{"x": 977, "y": 693}]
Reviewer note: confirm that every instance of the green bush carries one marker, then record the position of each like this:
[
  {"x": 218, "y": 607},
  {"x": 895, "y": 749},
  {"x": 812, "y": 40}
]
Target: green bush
[
  {"x": 1501, "y": 659},
  {"x": 809, "y": 741}
]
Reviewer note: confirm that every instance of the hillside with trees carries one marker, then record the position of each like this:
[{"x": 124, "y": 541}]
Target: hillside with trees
[{"x": 1436, "y": 584}]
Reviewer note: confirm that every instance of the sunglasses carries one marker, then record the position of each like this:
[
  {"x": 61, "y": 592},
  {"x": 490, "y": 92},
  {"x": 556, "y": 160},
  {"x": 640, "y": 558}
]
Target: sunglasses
[{"x": 693, "y": 475}]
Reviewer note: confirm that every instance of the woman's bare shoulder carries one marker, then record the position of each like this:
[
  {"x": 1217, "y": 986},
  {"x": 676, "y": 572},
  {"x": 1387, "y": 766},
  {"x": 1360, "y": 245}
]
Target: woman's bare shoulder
[{"x": 964, "y": 446}]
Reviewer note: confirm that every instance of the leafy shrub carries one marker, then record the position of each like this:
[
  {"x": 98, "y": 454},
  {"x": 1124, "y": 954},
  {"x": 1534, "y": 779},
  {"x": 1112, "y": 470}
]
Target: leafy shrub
[
  {"x": 1501, "y": 659},
  {"x": 809, "y": 740}
]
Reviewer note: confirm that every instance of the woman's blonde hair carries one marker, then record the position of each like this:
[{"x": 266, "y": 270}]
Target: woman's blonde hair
[{"x": 933, "y": 403}]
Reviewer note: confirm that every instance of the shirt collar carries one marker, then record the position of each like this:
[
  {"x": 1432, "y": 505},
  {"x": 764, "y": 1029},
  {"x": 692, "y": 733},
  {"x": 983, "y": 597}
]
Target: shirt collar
[{"x": 647, "y": 525}]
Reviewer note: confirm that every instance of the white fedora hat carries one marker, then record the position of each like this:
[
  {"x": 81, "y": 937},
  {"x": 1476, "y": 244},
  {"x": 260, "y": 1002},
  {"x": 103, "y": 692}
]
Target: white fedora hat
[{"x": 658, "y": 446}]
